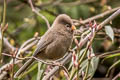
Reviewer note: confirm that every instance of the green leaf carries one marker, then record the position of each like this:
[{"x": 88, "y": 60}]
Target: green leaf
[
  {"x": 109, "y": 32},
  {"x": 94, "y": 65},
  {"x": 92, "y": 68},
  {"x": 41, "y": 70}
]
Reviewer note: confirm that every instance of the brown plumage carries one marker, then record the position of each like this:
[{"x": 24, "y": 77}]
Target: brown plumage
[{"x": 54, "y": 43}]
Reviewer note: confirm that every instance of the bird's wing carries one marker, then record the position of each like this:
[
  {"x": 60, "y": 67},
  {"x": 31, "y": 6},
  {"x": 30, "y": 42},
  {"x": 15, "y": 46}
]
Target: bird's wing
[{"x": 42, "y": 45}]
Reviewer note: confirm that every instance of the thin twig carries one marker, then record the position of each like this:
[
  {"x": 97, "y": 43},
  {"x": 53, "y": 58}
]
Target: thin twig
[
  {"x": 117, "y": 76},
  {"x": 17, "y": 59},
  {"x": 113, "y": 65},
  {"x": 54, "y": 64},
  {"x": 102, "y": 55},
  {"x": 1, "y": 31},
  {"x": 75, "y": 3},
  {"x": 51, "y": 73},
  {"x": 4, "y": 14},
  {"x": 29, "y": 46},
  {"x": 101, "y": 15},
  {"x": 87, "y": 69},
  {"x": 61, "y": 3},
  {"x": 14, "y": 55},
  {"x": 68, "y": 58},
  {"x": 84, "y": 53},
  {"x": 114, "y": 15},
  {"x": 35, "y": 10},
  {"x": 8, "y": 45},
  {"x": 97, "y": 29}
]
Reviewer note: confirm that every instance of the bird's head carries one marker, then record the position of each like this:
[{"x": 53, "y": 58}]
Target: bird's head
[{"x": 65, "y": 22}]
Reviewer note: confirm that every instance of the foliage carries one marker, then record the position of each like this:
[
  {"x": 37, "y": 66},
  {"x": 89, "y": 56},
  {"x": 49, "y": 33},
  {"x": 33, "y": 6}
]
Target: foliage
[{"x": 22, "y": 25}]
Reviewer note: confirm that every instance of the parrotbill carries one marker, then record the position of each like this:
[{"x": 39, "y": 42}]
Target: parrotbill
[{"x": 54, "y": 44}]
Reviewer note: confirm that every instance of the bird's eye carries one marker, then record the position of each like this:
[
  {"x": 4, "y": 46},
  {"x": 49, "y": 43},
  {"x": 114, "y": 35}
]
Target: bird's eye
[{"x": 68, "y": 25}]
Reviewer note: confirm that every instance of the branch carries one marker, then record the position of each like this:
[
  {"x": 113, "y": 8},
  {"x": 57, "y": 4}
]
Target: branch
[
  {"x": 77, "y": 23},
  {"x": 60, "y": 3},
  {"x": 114, "y": 15},
  {"x": 8, "y": 45},
  {"x": 103, "y": 55},
  {"x": 37, "y": 12},
  {"x": 1, "y": 29},
  {"x": 24, "y": 47},
  {"x": 68, "y": 58},
  {"x": 75, "y": 3},
  {"x": 117, "y": 76}
]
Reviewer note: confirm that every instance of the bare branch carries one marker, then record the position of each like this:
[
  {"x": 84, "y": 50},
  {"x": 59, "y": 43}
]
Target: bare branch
[
  {"x": 68, "y": 58},
  {"x": 60, "y": 3},
  {"x": 37, "y": 12},
  {"x": 25, "y": 46},
  {"x": 77, "y": 23},
  {"x": 8, "y": 45},
  {"x": 76, "y": 2},
  {"x": 117, "y": 76}
]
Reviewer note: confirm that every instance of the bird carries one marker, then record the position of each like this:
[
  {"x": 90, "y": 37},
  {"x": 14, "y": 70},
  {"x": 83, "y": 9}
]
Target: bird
[{"x": 54, "y": 44}]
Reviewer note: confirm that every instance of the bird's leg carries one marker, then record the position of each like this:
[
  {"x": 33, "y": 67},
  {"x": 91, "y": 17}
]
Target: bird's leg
[{"x": 54, "y": 63}]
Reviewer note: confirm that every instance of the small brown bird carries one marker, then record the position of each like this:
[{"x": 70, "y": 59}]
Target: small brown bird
[{"x": 54, "y": 43}]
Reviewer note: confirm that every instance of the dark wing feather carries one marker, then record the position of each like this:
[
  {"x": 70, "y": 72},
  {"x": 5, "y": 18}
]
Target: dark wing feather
[{"x": 42, "y": 45}]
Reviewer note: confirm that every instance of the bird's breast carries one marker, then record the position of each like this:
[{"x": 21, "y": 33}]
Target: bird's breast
[{"x": 58, "y": 47}]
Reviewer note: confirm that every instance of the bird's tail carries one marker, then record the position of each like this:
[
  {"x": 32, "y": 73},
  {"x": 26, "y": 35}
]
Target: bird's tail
[{"x": 24, "y": 67}]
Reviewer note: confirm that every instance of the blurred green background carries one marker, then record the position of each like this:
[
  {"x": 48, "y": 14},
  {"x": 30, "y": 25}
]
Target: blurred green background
[{"x": 23, "y": 23}]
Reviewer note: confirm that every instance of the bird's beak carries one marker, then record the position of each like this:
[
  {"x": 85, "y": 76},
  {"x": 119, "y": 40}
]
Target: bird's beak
[{"x": 73, "y": 27}]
